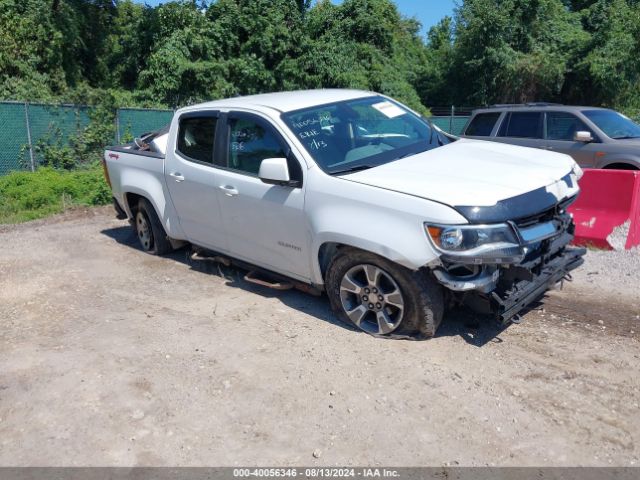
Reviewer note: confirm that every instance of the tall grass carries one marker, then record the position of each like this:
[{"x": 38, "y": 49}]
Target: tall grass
[{"x": 26, "y": 196}]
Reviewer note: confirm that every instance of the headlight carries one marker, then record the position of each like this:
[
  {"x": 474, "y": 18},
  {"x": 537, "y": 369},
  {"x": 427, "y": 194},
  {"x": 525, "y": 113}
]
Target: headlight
[
  {"x": 577, "y": 171},
  {"x": 461, "y": 238}
]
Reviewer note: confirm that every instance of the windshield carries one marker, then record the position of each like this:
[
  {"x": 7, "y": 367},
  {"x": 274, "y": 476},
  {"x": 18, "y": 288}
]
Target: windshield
[
  {"x": 613, "y": 124},
  {"x": 363, "y": 133}
]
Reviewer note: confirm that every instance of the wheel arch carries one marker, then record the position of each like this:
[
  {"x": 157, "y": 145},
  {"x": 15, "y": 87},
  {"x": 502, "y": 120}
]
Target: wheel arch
[
  {"x": 328, "y": 247},
  {"x": 416, "y": 300},
  {"x": 620, "y": 161},
  {"x": 621, "y": 165},
  {"x": 131, "y": 200},
  {"x": 156, "y": 194}
]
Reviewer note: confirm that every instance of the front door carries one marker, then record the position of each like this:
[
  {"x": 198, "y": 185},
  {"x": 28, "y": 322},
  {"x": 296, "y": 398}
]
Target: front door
[
  {"x": 561, "y": 128},
  {"x": 265, "y": 224},
  {"x": 193, "y": 180}
]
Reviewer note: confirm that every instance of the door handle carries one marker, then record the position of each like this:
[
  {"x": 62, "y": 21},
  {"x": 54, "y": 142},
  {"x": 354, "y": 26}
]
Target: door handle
[
  {"x": 229, "y": 190},
  {"x": 178, "y": 176}
]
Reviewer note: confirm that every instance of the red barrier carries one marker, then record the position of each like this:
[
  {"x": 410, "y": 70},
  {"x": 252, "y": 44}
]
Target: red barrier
[{"x": 607, "y": 212}]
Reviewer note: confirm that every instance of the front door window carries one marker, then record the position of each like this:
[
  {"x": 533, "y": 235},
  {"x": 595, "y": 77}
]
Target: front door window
[{"x": 249, "y": 144}]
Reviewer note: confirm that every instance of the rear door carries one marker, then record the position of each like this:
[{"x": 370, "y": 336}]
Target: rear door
[
  {"x": 524, "y": 128},
  {"x": 192, "y": 179},
  {"x": 560, "y": 130},
  {"x": 265, "y": 224}
]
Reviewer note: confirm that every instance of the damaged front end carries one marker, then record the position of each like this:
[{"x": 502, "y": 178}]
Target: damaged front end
[{"x": 500, "y": 269}]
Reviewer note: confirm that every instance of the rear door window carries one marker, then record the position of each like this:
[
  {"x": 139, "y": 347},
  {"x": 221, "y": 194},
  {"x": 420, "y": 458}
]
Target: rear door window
[
  {"x": 482, "y": 124},
  {"x": 522, "y": 125},
  {"x": 195, "y": 138}
]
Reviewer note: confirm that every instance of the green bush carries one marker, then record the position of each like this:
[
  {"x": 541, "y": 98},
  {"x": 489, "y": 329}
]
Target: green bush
[{"x": 27, "y": 196}]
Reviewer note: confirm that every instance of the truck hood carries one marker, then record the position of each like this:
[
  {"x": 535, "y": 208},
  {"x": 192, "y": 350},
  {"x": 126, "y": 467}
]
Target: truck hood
[{"x": 474, "y": 173}]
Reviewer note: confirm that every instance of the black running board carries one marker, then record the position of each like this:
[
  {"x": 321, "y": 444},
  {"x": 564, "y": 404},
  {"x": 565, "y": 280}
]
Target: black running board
[
  {"x": 256, "y": 275},
  {"x": 259, "y": 278}
]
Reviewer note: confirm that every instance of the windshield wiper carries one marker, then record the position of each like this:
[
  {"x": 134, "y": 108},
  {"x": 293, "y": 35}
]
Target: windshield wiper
[
  {"x": 357, "y": 168},
  {"x": 409, "y": 154},
  {"x": 626, "y": 137}
]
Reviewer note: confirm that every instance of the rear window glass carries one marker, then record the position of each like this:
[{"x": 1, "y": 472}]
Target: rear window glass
[
  {"x": 482, "y": 124},
  {"x": 522, "y": 125},
  {"x": 195, "y": 138}
]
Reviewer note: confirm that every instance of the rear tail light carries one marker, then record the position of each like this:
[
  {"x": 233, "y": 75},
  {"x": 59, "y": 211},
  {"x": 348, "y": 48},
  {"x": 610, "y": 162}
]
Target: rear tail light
[{"x": 106, "y": 170}]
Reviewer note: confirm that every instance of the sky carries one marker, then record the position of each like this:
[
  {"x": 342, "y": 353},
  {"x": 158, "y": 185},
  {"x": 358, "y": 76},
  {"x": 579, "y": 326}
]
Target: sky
[{"x": 429, "y": 12}]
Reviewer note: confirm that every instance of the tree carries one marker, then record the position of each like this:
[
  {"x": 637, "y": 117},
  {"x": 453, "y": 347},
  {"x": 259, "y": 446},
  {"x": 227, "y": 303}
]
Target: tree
[
  {"x": 363, "y": 44},
  {"x": 31, "y": 50},
  {"x": 185, "y": 51},
  {"x": 436, "y": 75},
  {"x": 608, "y": 71},
  {"x": 518, "y": 50},
  {"x": 128, "y": 44}
]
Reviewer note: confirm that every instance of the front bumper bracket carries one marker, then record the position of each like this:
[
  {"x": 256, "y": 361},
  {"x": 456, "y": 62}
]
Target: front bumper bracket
[{"x": 525, "y": 292}]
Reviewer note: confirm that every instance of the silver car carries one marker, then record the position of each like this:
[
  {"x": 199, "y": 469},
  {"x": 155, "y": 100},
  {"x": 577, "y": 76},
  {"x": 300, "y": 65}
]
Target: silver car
[{"x": 594, "y": 137}]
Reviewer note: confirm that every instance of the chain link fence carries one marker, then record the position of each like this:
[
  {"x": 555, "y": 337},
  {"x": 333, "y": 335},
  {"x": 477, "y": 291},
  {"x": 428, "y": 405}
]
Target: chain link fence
[
  {"x": 133, "y": 122},
  {"x": 52, "y": 124},
  {"x": 450, "y": 124},
  {"x": 451, "y": 119},
  {"x": 24, "y": 125},
  {"x": 14, "y": 137}
]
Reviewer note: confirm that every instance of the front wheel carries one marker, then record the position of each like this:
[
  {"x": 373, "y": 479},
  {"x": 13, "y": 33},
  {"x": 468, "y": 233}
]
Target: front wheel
[{"x": 383, "y": 298}]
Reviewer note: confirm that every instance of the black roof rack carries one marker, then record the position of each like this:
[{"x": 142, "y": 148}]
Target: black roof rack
[
  {"x": 543, "y": 104},
  {"x": 529, "y": 104}
]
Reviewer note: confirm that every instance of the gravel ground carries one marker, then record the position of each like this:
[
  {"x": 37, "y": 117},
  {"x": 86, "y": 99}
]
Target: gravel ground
[
  {"x": 113, "y": 357},
  {"x": 618, "y": 272}
]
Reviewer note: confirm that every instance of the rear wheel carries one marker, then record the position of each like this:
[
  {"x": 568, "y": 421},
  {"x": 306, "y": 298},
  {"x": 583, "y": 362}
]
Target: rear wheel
[
  {"x": 151, "y": 235},
  {"x": 381, "y": 297}
]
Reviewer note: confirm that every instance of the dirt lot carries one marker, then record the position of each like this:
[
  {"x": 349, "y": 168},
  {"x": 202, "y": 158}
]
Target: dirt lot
[{"x": 110, "y": 356}]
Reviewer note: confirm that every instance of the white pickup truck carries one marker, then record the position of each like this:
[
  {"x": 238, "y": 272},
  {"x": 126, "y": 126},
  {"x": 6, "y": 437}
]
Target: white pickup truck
[{"x": 352, "y": 193}]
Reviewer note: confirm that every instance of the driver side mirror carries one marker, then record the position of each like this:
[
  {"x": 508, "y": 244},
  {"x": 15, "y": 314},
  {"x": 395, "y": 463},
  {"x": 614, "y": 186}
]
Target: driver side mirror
[
  {"x": 582, "y": 136},
  {"x": 275, "y": 171}
]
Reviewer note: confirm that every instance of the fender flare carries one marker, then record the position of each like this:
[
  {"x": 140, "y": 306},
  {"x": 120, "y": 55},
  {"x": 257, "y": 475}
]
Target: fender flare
[
  {"x": 156, "y": 193},
  {"x": 371, "y": 246},
  {"x": 626, "y": 159}
]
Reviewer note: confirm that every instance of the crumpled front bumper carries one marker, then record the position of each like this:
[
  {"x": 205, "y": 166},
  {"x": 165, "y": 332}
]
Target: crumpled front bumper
[
  {"x": 524, "y": 292},
  {"x": 483, "y": 282},
  {"x": 505, "y": 289}
]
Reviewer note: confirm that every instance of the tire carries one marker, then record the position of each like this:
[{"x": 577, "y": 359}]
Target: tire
[
  {"x": 383, "y": 298},
  {"x": 150, "y": 232}
]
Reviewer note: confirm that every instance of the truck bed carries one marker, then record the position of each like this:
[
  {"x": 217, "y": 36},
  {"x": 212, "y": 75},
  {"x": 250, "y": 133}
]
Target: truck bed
[{"x": 127, "y": 168}]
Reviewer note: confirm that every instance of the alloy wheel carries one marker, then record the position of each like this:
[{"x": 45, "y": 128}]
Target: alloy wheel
[{"x": 372, "y": 299}]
